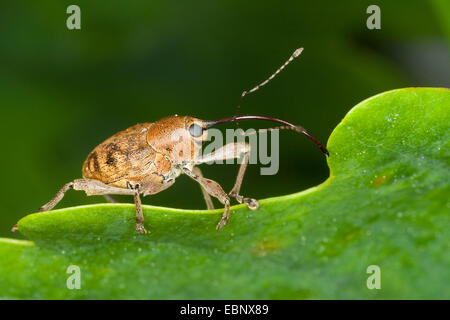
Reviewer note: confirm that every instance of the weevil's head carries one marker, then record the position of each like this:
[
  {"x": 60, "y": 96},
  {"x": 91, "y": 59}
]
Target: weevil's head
[{"x": 180, "y": 138}]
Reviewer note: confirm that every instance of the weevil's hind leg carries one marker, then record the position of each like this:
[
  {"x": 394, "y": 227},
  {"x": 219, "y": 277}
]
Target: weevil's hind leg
[
  {"x": 206, "y": 196},
  {"x": 214, "y": 189},
  {"x": 52, "y": 203},
  {"x": 231, "y": 151},
  {"x": 110, "y": 199},
  {"x": 90, "y": 186},
  {"x": 95, "y": 187},
  {"x": 58, "y": 197}
]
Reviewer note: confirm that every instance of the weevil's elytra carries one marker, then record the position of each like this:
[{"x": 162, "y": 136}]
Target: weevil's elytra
[
  {"x": 146, "y": 159},
  {"x": 123, "y": 155}
]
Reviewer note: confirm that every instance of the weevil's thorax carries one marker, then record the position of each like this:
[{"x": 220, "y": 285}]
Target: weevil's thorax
[{"x": 172, "y": 137}]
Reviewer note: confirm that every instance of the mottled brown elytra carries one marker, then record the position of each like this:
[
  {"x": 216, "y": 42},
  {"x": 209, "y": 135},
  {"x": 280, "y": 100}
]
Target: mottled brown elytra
[{"x": 147, "y": 158}]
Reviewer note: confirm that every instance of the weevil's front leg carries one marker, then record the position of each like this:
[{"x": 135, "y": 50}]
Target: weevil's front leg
[
  {"x": 214, "y": 189},
  {"x": 206, "y": 196},
  {"x": 139, "y": 214},
  {"x": 251, "y": 203},
  {"x": 232, "y": 151}
]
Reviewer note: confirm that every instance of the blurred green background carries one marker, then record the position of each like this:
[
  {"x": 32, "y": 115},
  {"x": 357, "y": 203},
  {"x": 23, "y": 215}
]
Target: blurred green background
[{"x": 62, "y": 92}]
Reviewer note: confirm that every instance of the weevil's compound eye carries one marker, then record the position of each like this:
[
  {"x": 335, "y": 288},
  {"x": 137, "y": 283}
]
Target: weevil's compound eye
[{"x": 195, "y": 130}]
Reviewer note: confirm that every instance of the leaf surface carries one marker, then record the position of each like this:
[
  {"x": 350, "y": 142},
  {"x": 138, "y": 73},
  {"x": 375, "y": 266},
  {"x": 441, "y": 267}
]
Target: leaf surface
[{"x": 385, "y": 204}]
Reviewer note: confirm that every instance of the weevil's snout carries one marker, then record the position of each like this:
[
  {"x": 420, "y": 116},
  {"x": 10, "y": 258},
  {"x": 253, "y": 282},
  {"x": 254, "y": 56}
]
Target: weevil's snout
[{"x": 285, "y": 125}]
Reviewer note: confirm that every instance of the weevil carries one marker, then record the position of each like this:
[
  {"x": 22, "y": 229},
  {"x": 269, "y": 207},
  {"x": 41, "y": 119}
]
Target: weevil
[{"x": 146, "y": 159}]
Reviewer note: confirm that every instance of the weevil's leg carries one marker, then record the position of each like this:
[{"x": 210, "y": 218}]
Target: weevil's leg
[
  {"x": 110, "y": 199},
  {"x": 231, "y": 151},
  {"x": 52, "y": 203},
  {"x": 251, "y": 203},
  {"x": 96, "y": 188},
  {"x": 139, "y": 214},
  {"x": 208, "y": 200},
  {"x": 59, "y": 195},
  {"x": 90, "y": 186},
  {"x": 214, "y": 189}
]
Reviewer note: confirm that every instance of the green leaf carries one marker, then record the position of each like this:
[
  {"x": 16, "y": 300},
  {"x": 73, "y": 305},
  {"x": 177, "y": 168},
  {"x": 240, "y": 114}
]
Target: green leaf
[{"x": 385, "y": 204}]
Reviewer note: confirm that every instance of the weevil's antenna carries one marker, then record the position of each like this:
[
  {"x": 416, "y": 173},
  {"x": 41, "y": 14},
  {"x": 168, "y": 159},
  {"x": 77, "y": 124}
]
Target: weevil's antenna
[
  {"x": 292, "y": 57},
  {"x": 285, "y": 125}
]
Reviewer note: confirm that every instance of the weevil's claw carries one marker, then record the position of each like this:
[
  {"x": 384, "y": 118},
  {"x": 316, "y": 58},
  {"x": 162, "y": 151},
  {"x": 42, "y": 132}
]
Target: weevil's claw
[
  {"x": 140, "y": 228},
  {"x": 15, "y": 228},
  {"x": 252, "y": 204}
]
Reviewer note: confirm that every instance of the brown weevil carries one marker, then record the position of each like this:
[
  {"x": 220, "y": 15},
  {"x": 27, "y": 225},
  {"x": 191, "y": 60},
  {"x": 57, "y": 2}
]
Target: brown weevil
[{"x": 147, "y": 158}]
